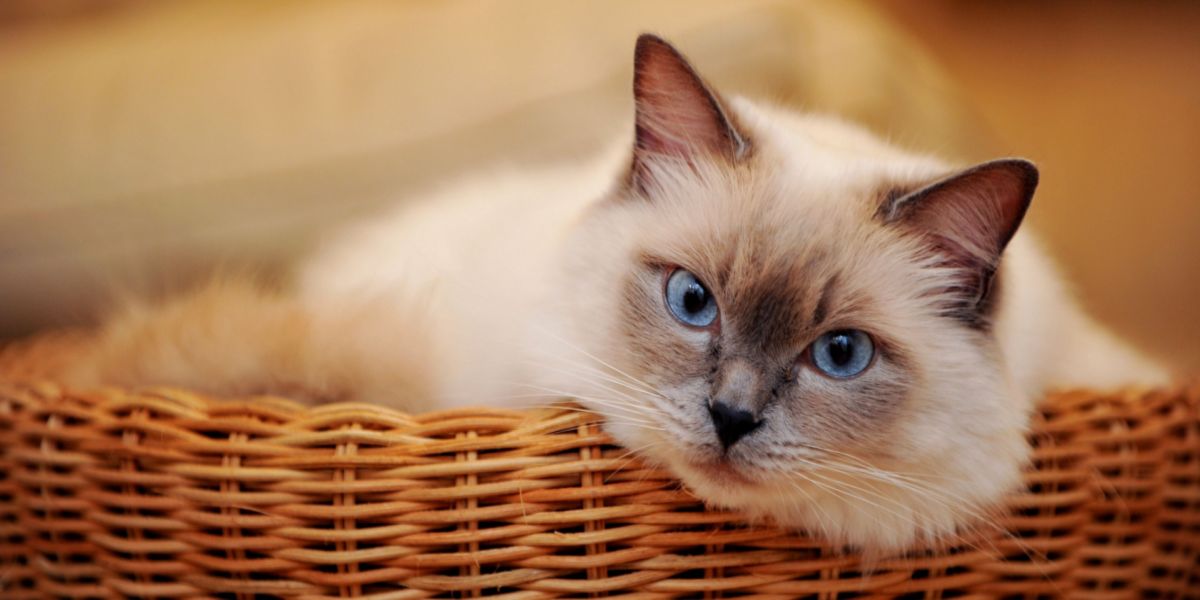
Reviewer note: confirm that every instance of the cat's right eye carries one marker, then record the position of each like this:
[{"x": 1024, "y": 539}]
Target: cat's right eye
[{"x": 689, "y": 301}]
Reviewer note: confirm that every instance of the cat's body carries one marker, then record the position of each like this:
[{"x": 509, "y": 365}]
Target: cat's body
[
  {"x": 511, "y": 222},
  {"x": 521, "y": 287}
]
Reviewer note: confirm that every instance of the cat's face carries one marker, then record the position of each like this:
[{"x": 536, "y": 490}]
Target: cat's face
[{"x": 787, "y": 313}]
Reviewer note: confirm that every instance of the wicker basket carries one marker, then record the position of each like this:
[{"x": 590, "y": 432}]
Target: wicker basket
[{"x": 162, "y": 493}]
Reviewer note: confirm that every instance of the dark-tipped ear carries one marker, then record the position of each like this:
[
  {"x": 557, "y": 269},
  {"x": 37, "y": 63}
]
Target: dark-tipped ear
[
  {"x": 969, "y": 217},
  {"x": 678, "y": 114}
]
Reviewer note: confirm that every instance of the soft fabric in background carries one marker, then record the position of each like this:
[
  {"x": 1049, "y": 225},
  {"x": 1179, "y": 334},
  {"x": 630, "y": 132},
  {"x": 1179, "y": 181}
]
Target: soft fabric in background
[{"x": 142, "y": 144}]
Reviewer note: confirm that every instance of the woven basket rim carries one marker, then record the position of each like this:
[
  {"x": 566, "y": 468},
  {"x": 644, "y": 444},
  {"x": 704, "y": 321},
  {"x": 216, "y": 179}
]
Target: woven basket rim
[{"x": 164, "y": 491}]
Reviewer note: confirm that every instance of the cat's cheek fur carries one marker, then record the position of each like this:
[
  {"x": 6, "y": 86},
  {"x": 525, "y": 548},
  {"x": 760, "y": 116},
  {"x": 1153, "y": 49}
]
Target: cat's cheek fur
[
  {"x": 958, "y": 463},
  {"x": 957, "y": 466}
]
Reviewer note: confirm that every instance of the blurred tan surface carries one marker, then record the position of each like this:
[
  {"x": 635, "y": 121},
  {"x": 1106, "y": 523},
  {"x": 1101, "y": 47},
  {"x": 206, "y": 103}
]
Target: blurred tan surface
[
  {"x": 142, "y": 143},
  {"x": 1105, "y": 96}
]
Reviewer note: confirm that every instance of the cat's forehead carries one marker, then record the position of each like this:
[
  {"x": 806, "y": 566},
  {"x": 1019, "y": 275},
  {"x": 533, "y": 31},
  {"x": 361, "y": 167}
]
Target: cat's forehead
[
  {"x": 784, "y": 263},
  {"x": 770, "y": 296},
  {"x": 778, "y": 267},
  {"x": 789, "y": 241}
]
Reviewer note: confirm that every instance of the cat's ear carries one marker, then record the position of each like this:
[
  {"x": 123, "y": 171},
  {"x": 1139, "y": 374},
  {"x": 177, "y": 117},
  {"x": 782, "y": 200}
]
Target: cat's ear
[
  {"x": 970, "y": 218},
  {"x": 677, "y": 114}
]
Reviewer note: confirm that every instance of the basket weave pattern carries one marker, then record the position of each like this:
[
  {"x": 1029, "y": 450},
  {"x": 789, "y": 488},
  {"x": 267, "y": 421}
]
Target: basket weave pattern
[{"x": 162, "y": 493}]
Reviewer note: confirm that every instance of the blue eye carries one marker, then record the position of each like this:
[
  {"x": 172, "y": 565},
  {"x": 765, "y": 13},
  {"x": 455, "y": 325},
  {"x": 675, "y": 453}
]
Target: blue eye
[
  {"x": 689, "y": 300},
  {"x": 843, "y": 353}
]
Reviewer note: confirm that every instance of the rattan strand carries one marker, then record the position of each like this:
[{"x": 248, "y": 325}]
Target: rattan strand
[{"x": 164, "y": 493}]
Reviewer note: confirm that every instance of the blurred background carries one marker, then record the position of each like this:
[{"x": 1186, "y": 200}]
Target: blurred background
[{"x": 143, "y": 144}]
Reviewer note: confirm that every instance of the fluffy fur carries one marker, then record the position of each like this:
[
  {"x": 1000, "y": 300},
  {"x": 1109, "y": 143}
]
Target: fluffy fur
[{"x": 523, "y": 287}]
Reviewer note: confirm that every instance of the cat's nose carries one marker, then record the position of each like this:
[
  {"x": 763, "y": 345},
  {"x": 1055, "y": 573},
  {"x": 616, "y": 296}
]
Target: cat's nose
[{"x": 732, "y": 424}]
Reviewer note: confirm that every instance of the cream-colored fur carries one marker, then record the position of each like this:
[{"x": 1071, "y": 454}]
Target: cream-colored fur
[{"x": 513, "y": 287}]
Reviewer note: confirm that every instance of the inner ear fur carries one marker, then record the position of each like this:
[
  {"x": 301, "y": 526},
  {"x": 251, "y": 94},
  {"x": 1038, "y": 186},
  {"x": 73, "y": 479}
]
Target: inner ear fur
[
  {"x": 677, "y": 114},
  {"x": 969, "y": 218}
]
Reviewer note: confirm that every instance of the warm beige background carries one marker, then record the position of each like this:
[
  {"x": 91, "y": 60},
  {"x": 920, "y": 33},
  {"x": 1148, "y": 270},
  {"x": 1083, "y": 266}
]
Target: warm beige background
[
  {"x": 148, "y": 141},
  {"x": 142, "y": 143}
]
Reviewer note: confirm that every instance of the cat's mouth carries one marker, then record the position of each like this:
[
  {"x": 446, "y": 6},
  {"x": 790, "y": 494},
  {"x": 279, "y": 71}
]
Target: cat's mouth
[{"x": 723, "y": 470}]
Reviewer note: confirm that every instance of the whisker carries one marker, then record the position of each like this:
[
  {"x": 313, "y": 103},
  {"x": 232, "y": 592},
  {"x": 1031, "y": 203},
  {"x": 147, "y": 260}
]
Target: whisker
[
  {"x": 833, "y": 486},
  {"x": 591, "y": 356},
  {"x": 637, "y": 386},
  {"x": 589, "y": 375},
  {"x": 910, "y": 520},
  {"x": 877, "y": 494},
  {"x": 618, "y": 410},
  {"x": 963, "y": 506},
  {"x": 629, "y": 453},
  {"x": 909, "y": 483},
  {"x": 812, "y": 501},
  {"x": 619, "y": 403}
]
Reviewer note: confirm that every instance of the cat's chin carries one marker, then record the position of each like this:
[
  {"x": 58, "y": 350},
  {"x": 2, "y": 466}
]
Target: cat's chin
[
  {"x": 720, "y": 471},
  {"x": 725, "y": 483},
  {"x": 877, "y": 521}
]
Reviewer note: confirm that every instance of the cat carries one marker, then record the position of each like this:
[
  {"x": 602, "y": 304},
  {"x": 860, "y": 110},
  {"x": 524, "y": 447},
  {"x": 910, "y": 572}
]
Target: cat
[{"x": 800, "y": 321}]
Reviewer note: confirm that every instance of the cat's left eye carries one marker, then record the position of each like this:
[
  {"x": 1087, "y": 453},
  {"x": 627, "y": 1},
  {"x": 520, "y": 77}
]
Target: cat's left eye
[
  {"x": 842, "y": 354},
  {"x": 689, "y": 301}
]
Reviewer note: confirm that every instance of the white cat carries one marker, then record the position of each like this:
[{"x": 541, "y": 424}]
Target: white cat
[{"x": 797, "y": 319}]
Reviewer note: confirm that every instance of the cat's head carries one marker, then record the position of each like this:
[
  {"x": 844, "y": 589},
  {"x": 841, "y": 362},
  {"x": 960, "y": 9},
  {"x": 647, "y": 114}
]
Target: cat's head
[{"x": 795, "y": 317}]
